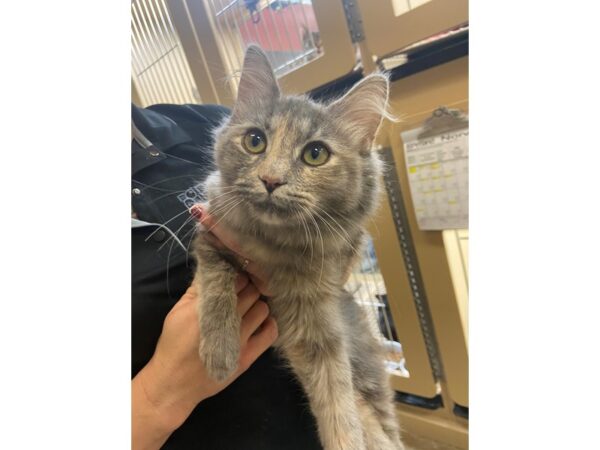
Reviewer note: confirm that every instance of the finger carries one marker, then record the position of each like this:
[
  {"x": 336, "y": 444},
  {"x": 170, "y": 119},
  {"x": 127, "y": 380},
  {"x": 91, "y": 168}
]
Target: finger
[
  {"x": 254, "y": 269},
  {"x": 221, "y": 232},
  {"x": 190, "y": 294},
  {"x": 261, "y": 285},
  {"x": 252, "y": 319},
  {"x": 251, "y": 266},
  {"x": 197, "y": 210},
  {"x": 246, "y": 299},
  {"x": 221, "y": 237},
  {"x": 214, "y": 241},
  {"x": 258, "y": 343},
  {"x": 241, "y": 282}
]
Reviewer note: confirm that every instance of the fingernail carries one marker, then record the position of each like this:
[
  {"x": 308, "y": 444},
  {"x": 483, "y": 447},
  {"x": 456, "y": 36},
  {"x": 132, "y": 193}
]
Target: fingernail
[{"x": 196, "y": 211}]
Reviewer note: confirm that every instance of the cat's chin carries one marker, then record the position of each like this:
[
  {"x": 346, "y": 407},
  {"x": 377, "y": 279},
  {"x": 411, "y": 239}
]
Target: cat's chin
[{"x": 270, "y": 213}]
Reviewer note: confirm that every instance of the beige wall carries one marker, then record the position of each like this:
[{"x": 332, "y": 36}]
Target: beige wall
[
  {"x": 442, "y": 266},
  {"x": 414, "y": 99}
]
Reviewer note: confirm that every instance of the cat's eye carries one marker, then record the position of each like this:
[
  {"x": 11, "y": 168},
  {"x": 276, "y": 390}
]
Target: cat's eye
[
  {"x": 315, "y": 154},
  {"x": 255, "y": 141}
]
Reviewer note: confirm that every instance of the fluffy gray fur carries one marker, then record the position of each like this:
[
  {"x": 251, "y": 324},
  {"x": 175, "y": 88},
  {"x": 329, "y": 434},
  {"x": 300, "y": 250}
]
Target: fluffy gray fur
[{"x": 307, "y": 235}]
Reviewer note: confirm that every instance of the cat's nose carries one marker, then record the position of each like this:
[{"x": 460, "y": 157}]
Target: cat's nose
[{"x": 271, "y": 183}]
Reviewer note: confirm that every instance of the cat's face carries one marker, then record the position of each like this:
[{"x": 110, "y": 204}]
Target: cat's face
[{"x": 290, "y": 160}]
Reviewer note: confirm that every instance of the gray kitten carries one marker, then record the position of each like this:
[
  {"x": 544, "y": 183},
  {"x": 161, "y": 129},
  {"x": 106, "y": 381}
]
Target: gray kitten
[{"x": 296, "y": 181}]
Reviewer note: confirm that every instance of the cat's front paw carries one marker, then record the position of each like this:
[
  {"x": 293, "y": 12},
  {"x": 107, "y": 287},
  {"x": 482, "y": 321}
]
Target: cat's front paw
[{"x": 220, "y": 354}]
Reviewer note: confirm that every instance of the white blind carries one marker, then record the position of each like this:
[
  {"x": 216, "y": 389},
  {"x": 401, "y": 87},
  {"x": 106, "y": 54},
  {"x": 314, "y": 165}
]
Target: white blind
[{"x": 159, "y": 69}]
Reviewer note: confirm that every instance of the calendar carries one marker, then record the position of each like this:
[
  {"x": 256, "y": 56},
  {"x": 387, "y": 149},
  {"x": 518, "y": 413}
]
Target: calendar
[{"x": 438, "y": 175}]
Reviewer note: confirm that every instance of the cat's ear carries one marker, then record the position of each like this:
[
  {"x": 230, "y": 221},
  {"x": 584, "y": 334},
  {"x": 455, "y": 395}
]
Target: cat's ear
[
  {"x": 363, "y": 108},
  {"x": 258, "y": 83}
]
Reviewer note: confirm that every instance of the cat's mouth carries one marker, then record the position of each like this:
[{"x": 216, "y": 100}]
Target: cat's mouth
[
  {"x": 274, "y": 209},
  {"x": 272, "y": 205}
]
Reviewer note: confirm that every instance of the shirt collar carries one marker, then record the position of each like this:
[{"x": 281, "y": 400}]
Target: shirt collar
[{"x": 161, "y": 130}]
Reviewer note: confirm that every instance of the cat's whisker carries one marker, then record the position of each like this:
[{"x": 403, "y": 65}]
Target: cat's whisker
[
  {"x": 153, "y": 186},
  {"x": 345, "y": 237},
  {"x": 187, "y": 161},
  {"x": 322, "y": 255},
  {"x": 371, "y": 219},
  {"x": 338, "y": 248},
  {"x": 333, "y": 219},
  {"x": 308, "y": 236},
  {"x": 179, "y": 192},
  {"x": 376, "y": 227},
  {"x": 225, "y": 214},
  {"x": 307, "y": 212},
  {"x": 187, "y": 221},
  {"x": 223, "y": 206},
  {"x": 172, "y": 237},
  {"x": 166, "y": 195},
  {"x": 187, "y": 248},
  {"x": 180, "y": 214},
  {"x": 298, "y": 214},
  {"x": 322, "y": 245},
  {"x": 229, "y": 192},
  {"x": 225, "y": 198},
  {"x": 165, "y": 223},
  {"x": 171, "y": 193}
]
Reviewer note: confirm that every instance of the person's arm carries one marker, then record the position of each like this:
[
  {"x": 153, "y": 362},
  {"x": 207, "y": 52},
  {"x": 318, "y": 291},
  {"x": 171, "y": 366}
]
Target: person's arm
[{"x": 174, "y": 382}]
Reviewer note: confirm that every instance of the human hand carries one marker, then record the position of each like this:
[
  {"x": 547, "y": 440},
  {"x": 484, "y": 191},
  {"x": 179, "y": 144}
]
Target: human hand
[
  {"x": 223, "y": 238},
  {"x": 174, "y": 381}
]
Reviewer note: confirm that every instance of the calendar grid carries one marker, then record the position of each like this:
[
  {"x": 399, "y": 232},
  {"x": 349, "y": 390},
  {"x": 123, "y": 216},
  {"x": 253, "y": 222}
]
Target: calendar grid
[{"x": 438, "y": 176}]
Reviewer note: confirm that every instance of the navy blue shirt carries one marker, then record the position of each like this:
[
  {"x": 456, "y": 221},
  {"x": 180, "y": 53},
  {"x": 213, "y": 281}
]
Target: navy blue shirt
[{"x": 265, "y": 408}]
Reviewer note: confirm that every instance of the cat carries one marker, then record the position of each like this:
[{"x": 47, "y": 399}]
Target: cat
[{"x": 296, "y": 181}]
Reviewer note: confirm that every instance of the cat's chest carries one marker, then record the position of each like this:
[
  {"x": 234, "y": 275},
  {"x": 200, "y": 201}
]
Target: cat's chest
[{"x": 302, "y": 319}]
